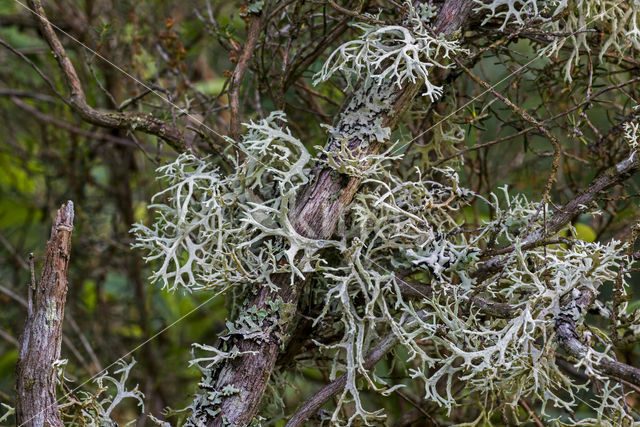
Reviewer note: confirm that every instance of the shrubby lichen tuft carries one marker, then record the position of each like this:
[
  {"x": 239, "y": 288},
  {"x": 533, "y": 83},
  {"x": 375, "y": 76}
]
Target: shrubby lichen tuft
[
  {"x": 397, "y": 53},
  {"x": 573, "y": 23},
  {"x": 95, "y": 409},
  {"x": 406, "y": 228},
  {"x": 215, "y": 232}
]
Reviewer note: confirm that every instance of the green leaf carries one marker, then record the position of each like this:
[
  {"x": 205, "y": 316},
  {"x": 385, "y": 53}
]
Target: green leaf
[{"x": 585, "y": 232}]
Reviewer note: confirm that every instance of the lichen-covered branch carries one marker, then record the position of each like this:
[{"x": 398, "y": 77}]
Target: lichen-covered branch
[
  {"x": 315, "y": 215},
  {"x": 570, "y": 341},
  {"x": 421, "y": 290},
  {"x": 580, "y": 203},
  {"x": 40, "y": 343},
  {"x": 565, "y": 328}
]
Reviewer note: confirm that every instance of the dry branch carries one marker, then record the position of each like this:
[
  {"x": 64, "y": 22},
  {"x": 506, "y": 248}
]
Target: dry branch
[{"x": 40, "y": 342}]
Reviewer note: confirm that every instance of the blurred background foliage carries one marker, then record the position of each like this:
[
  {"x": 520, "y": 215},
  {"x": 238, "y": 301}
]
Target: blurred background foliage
[{"x": 49, "y": 155}]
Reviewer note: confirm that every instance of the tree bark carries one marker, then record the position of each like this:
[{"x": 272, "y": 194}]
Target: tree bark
[
  {"x": 315, "y": 215},
  {"x": 40, "y": 342}
]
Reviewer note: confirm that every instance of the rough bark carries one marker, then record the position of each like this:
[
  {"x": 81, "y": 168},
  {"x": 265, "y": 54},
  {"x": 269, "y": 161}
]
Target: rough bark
[
  {"x": 315, "y": 215},
  {"x": 40, "y": 342},
  {"x": 570, "y": 341}
]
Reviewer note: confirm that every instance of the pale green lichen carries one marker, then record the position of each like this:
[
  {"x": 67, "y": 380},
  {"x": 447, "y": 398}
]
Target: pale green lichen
[
  {"x": 95, "y": 409},
  {"x": 396, "y": 53},
  {"x": 516, "y": 11},
  {"x": 9, "y": 410},
  {"x": 573, "y": 22},
  {"x": 217, "y": 233},
  {"x": 398, "y": 225},
  {"x": 354, "y": 163},
  {"x": 632, "y": 134},
  {"x": 618, "y": 20}
]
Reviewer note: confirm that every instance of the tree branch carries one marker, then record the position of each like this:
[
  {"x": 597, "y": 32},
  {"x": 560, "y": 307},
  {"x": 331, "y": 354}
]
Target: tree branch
[
  {"x": 40, "y": 342},
  {"x": 491, "y": 308},
  {"x": 607, "y": 179},
  {"x": 60, "y": 124},
  {"x": 570, "y": 342},
  {"x": 239, "y": 72},
  {"x": 78, "y": 102}
]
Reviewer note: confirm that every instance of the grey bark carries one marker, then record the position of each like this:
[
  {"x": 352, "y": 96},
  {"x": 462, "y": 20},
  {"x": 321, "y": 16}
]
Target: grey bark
[{"x": 40, "y": 342}]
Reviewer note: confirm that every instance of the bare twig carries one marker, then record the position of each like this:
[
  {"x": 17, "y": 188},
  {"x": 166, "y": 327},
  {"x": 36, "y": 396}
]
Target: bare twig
[
  {"x": 239, "y": 72},
  {"x": 355, "y": 13},
  {"x": 8, "y": 337},
  {"x": 97, "y": 136},
  {"x": 26, "y": 94},
  {"x": 529, "y": 118}
]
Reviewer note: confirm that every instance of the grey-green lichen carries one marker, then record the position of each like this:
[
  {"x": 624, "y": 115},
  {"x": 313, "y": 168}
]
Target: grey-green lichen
[
  {"x": 361, "y": 122},
  {"x": 216, "y": 233},
  {"x": 9, "y": 410},
  {"x": 632, "y": 131},
  {"x": 573, "y": 22},
  {"x": 95, "y": 409},
  {"x": 397, "y": 53}
]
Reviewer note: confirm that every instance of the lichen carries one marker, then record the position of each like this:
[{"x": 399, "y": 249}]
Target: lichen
[
  {"x": 570, "y": 22},
  {"x": 215, "y": 232},
  {"x": 406, "y": 225},
  {"x": 515, "y": 11},
  {"x": 95, "y": 409},
  {"x": 397, "y": 53},
  {"x": 9, "y": 410}
]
